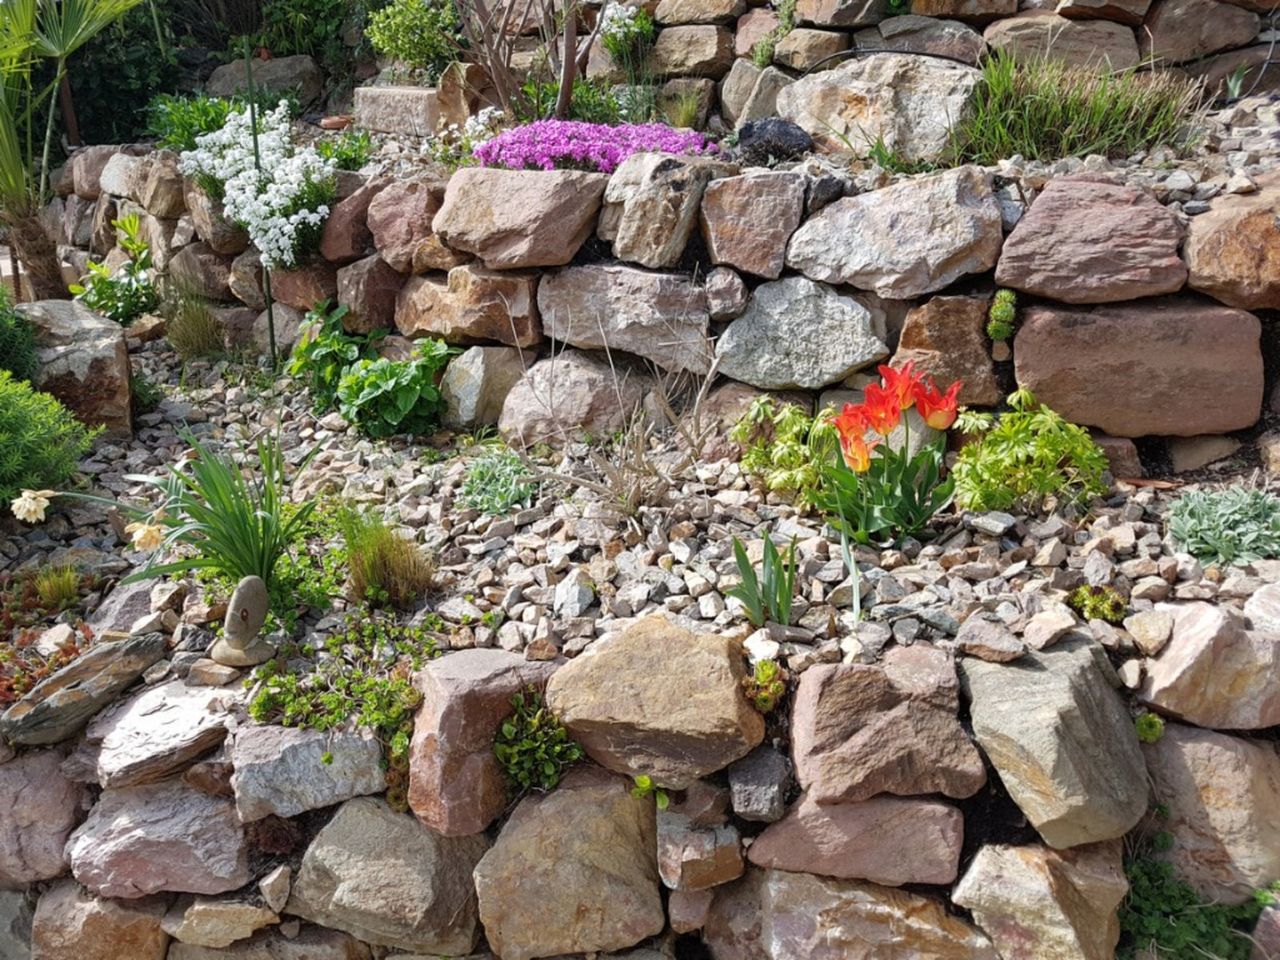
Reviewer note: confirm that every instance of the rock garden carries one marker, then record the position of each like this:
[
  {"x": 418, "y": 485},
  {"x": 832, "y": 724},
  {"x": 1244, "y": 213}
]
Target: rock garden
[{"x": 700, "y": 480}]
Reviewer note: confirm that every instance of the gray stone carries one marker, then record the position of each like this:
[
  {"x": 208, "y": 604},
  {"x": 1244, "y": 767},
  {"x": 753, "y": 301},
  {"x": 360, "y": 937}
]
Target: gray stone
[
  {"x": 298, "y": 75},
  {"x": 758, "y": 785},
  {"x": 475, "y": 385},
  {"x": 1262, "y": 610},
  {"x": 309, "y": 943},
  {"x": 569, "y": 394},
  {"x": 39, "y": 807}
]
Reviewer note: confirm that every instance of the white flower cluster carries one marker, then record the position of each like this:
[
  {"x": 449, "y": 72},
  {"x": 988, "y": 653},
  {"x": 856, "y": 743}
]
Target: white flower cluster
[
  {"x": 454, "y": 144},
  {"x": 617, "y": 20},
  {"x": 268, "y": 204}
]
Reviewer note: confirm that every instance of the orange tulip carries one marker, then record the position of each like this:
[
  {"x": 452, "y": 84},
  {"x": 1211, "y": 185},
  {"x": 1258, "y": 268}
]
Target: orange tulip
[
  {"x": 857, "y": 452},
  {"x": 902, "y": 383},
  {"x": 937, "y": 409},
  {"x": 851, "y": 421},
  {"x": 882, "y": 408}
]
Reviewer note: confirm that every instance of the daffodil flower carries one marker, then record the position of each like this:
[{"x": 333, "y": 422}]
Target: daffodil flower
[{"x": 30, "y": 505}]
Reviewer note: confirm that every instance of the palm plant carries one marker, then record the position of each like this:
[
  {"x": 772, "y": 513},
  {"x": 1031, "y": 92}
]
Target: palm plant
[{"x": 31, "y": 31}]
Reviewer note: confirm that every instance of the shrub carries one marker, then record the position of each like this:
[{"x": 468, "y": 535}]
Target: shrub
[
  {"x": 190, "y": 326},
  {"x": 40, "y": 441},
  {"x": 533, "y": 747},
  {"x": 386, "y": 569},
  {"x": 145, "y": 394},
  {"x": 785, "y": 448},
  {"x": 128, "y": 292},
  {"x": 454, "y": 145},
  {"x": 1045, "y": 110},
  {"x": 574, "y": 145},
  {"x": 591, "y": 101},
  {"x": 496, "y": 482},
  {"x": 325, "y": 351},
  {"x": 1028, "y": 454},
  {"x": 1235, "y": 525},
  {"x": 767, "y": 597},
  {"x": 384, "y": 397},
  {"x": 366, "y": 678},
  {"x": 236, "y": 526},
  {"x": 311, "y": 27},
  {"x": 349, "y": 150},
  {"x": 17, "y": 342},
  {"x": 1002, "y": 315},
  {"x": 176, "y": 120},
  {"x": 418, "y": 33}
]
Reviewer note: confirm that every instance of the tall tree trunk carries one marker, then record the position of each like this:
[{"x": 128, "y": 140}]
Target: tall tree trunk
[{"x": 39, "y": 256}]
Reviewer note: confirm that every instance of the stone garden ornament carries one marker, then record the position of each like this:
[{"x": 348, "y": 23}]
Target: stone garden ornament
[{"x": 239, "y": 645}]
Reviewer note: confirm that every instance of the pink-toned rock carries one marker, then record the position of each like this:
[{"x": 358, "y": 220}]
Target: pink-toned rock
[
  {"x": 1233, "y": 250},
  {"x": 398, "y": 216},
  {"x": 521, "y": 218},
  {"x": 946, "y": 339},
  {"x": 1122, "y": 456},
  {"x": 310, "y": 943},
  {"x": 659, "y": 316},
  {"x": 746, "y": 221},
  {"x": 841, "y": 13},
  {"x": 697, "y": 849},
  {"x": 72, "y": 924},
  {"x": 86, "y": 169},
  {"x": 472, "y": 305},
  {"x": 776, "y": 915},
  {"x": 1214, "y": 672},
  {"x": 914, "y": 34},
  {"x": 1086, "y": 240},
  {"x": 1174, "y": 365},
  {"x": 202, "y": 271},
  {"x": 753, "y": 26},
  {"x": 659, "y": 700},
  {"x": 305, "y": 285},
  {"x": 573, "y": 871},
  {"x": 858, "y": 730},
  {"x": 1177, "y": 31},
  {"x": 163, "y": 190},
  {"x": 1266, "y": 935},
  {"x": 1249, "y": 63},
  {"x": 1098, "y": 44},
  {"x": 1222, "y": 793},
  {"x": 687, "y": 909},
  {"x": 1043, "y": 904},
  {"x": 887, "y": 840},
  {"x": 563, "y": 397},
  {"x": 39, "y": 807},
  {"x": 211, "y": 224},
  {"x": 979, "y": 10},
  {"x": 159, "y": 836},
  {"x": 672, "y": 12},
  {"x": 346, "y": 235},
  {"x": 691, "y": 51},
  {"x": 245, "y": 280},
  {"x": 804, "y": 48},
  {"x": 369, "y": 289},
  {"x": 726, "y": 294},
  {"x": 1121, "y": 11},
  {"x": 456, "y": 786}
]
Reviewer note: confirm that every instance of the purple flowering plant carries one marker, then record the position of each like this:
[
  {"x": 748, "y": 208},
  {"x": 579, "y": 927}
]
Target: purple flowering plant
[{"x": 575, "y": 145}]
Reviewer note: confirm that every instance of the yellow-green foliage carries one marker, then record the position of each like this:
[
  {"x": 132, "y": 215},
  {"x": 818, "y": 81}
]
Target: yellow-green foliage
[
  {"x": 785, "y": 448},
  {"x": 1003, "y": 315},
  {"x": 58, "y": 586}
]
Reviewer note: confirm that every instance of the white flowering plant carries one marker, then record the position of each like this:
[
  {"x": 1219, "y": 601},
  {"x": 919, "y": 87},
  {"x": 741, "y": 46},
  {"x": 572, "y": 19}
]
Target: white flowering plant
[
  {"x": 626, "y": 33},
  {"x": 281, "y": 197},
  {"x": 453, "y": 146}
]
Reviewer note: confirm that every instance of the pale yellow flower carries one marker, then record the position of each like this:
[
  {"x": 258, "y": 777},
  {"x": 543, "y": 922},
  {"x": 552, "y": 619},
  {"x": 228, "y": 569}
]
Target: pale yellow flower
[
  {"x": 146, "y": 536},
  {"x": 30, "y": 506}
]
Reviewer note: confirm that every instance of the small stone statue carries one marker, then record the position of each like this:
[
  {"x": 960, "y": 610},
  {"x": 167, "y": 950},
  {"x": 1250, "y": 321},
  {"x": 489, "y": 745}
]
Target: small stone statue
[{"x": 239, "y": 645}]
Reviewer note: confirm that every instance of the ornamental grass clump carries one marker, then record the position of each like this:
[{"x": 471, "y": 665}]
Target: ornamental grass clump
[{"x": 574, "y": 145}]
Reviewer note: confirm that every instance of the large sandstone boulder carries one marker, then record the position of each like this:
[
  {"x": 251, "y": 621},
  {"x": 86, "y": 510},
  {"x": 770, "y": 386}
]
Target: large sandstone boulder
[
  {"x": 908, "y": 239},
  {"x": 1221, "y": 793},
  {"x": 799, "y": 334},
  {"x": 398, "y": 218},
  {"x": 1086, "y": 240},
  {"x": 946, "y": 339},
  {"x": 285, "y": 771},
  {"x": 1215, "y": 673},
  {"x": 567, "y": 395},
  {"x": 660, "y": 701},
  {"x": 414, "y": 111},
  {"x": 1061, "y": 740},
  {"x": 386, "y": 879},
  {"x": 160, "y": 836},
  {"x": 297, "y": 74},
  {"x": 858, "y": 730},
  {"x": 60, "y": 705},
  {"x": 746, "y": 221},
  {"x": 521, "y": 218},
  {"x": 1174, "y": 365},
  {"x": 211, "y": 224},
  {"x": 475, "y": 385},
  {"x": 1121, "y": 11},
  {"x": 659, "y": 316},
  {"x": 691, "y": 51},
  {"x": 887, "y": 840},
  {"x": 346, "y": 235},
  {"x": 1042, "y": 904},
  {"x": 369, "y": 289},
  {"x": 651, "y": 206},
  {"x": 573, "y": 871},
  {"x": 804, "y": 49},
  {"x": 84, "y": 362},
  {"x": 841, "y": 13},
  {"x": 1233, "y": 250},
  {"x": 310, "y": 943},
  {"x": 472, "y": 305},
  {"x": 1177, "y": 31},
  {"x": 776, "y": 915},
  {"x": 975, "y": 10},
  {"x": 72, "y": 924},
  {"x": 39, "y": 807},
  {"x": 456, "y": 786},
  {"x": 915, "y": 34},
  {"x": 1037, "y": 34},
  {"x": 908, "y": 103}
]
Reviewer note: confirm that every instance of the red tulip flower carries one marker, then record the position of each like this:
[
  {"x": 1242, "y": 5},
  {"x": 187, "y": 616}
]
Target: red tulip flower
[
  {"x": 904, "y": 383},
  {"x": 851, "y": 421},
  {"x": 883, "y": 409},
  {"x": 937, "y": 409}
]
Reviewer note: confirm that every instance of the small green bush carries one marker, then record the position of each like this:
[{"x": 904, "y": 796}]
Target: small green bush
[
  {"x": 384, "y": 397},
  {"x": 785, "y": 448},
  {"x": 419, "y": 33},
  {"x": 496, "y": 482},
  {"x": 766, "y": 685},
  {"x": 349, "y": 150},
  {"x": 1002, "y": 317},
  {"x": 40, "y": 441},
  {"x": 17, "y": 342},
  {"x": 325, "y": 351},
  {"x": 592, "y": 101},
  {"x": 1235, "y": 525},
  {"x": 128, "y": 292},
  {"x": 533, "y": 747},
  {"x": 1029, "y": 453},
  {"x": 311, "y": 27},
  {"x": 1045, "y": 110},
  {"x": 176, "y": 120}
]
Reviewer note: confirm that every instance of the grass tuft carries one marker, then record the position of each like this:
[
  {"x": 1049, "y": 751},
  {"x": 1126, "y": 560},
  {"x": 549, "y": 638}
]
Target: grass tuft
[{"x": 386, "y": 569}]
